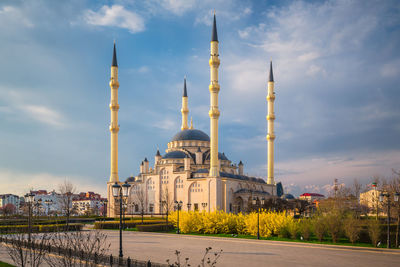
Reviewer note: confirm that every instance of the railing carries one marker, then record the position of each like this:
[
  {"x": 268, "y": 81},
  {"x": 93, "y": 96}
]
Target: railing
[{"x": 105, "y": 260}]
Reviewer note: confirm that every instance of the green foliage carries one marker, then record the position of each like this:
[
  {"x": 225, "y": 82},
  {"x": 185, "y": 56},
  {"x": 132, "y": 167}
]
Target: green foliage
[
  {"x": 127, "y": 224},
  {"x": 154, "y": 227},
  {"x": 40, "y": 228},
  {"x": 306, "y": 229},
  {"x": 318, "y": 225},
  {"x": 374, "y": 231},
  {"x": 333, "y": 222},
  {"x": 352, "y": 228}
]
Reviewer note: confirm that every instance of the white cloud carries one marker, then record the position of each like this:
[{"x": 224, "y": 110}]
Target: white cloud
[
  {"x": 20, "y": 104},
  {"x": 116, "y": 16},
  {"x": 178, "y": 7},
  {"x": 10, "y": 14},
  {"x": 391, "y": 69},
  {"x": 43, "y": 114}
]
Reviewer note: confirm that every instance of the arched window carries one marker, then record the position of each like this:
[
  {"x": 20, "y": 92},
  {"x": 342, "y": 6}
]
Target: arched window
[
  {"x": 178, "y": 183},
  {"x": 164, "y": 176},
  {"x": 150, "y": 185},
  {"x": 196, "y": 188}
]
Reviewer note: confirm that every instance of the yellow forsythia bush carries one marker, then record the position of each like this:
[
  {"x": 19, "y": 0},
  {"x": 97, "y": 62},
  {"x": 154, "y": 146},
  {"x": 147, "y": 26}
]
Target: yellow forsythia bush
[{"x": 219, "y": 222}]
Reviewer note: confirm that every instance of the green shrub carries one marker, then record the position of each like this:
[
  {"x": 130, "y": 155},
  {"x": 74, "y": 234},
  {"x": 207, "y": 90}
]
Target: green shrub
[
  {"x": 352, "y": 228},
  {"x": 154, "y": 227},
  {"x": 333, "y": 222},
  {"x": 305, "y": 229},
  {"x": 374, "y": 231},
  {"x": 318, "y": 224},
  {"x": 127, "y": 224},
  {"x": 40, "y": 228}
]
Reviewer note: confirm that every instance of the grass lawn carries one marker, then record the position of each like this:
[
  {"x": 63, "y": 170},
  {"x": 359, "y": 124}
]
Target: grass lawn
[{"x": 3, "y": 264}]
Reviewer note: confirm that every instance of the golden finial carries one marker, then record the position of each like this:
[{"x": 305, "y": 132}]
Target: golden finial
[{"x": 191, "y": 123}]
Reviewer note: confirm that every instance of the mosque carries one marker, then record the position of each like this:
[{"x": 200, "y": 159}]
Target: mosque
[{"x": 192, "y": 170}]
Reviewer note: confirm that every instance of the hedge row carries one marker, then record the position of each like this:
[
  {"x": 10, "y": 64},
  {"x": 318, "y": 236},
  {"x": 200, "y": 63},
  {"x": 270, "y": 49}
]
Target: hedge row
[
  {"x": 154, "y": 227},
  {"x": 40, "y": 228},
  {"x": 128, "y": 224}
]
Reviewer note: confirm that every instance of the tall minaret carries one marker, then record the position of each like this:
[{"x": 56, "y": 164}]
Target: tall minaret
[
  {"x": 114, "y": 127},
  {"x": 185, "y": 109},
  {"x": 270, "y": 119},
  {"x": 214, "y": 112}
]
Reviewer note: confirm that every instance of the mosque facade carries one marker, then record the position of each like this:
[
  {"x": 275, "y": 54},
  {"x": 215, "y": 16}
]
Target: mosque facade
[{"x": 192, "y": 170}]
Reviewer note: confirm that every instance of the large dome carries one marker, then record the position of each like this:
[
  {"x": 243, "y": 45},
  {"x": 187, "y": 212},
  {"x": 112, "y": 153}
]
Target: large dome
[{"x": 191, "y": 134}]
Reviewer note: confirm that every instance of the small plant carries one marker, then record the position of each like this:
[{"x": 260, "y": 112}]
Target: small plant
[{"x": 205, "y": 261}]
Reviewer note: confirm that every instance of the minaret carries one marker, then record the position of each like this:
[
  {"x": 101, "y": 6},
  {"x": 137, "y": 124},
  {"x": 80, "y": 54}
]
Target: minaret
[
  {"x": 270, "y": 120},
  {"x": 114, "y": 128},
  {"x": 185, "y": 109},
  {"x": 214, "y": 112}
]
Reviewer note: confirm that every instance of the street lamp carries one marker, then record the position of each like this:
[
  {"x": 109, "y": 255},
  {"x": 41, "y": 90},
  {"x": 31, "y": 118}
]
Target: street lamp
[
  {"x": 255, "y": 202},
  {"x": 48, "y": 202},
  {"x": 121, "y": 192},
  {"x": 30, "y": 197},
  {"x": 204, "y": 205},
  {"x": 104, "y": 203},
  {"x": 381, "y": 199},
  {"x": 188, "y": 206},
  {"x": 178, "y": 206},
  {"x": 396, "y": 199}
]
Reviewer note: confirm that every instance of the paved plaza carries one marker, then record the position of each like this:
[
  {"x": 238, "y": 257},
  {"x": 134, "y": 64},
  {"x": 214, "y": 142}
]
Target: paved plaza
[
  {"x": 243, "y": 252},
  {"x": 158, "y": 247}
]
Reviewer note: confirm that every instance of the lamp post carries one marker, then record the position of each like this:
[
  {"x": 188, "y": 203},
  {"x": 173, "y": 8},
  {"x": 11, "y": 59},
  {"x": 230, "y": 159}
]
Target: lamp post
[
  {"x": 255, "y": 202},
  {"x": 48, "y": 202},
  {"x": 396, "y": 200},
  {"x": 178, "y": 206},
  {"x": 122, "y": 193},
  {"x": 188, "y": 206},
  {"x": 204, "y": 205},
  {"x": 104, "y": 203},
  {"x": 30, "y": 198},
  {"x": 381, "y": 199}
]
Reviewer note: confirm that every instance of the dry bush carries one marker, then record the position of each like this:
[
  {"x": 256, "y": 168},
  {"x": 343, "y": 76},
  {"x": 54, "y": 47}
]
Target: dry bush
[
  {"x": 27, "y": 254},
  {"x": 205, "y": 261},
  {"x": 80, "y": 248}
]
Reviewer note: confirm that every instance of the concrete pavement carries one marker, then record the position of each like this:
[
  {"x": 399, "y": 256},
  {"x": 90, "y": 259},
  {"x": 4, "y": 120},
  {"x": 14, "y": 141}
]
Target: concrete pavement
[{"x": 243, "y": 252}]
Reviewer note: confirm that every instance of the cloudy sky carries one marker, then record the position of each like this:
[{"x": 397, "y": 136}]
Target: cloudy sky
[{"x": 336, "y": 68}]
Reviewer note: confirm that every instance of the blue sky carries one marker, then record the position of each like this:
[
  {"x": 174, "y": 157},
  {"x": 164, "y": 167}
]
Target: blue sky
[{"x": 336, "y": 66}]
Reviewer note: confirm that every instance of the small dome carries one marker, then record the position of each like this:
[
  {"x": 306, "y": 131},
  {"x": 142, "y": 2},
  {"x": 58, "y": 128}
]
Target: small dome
[
  {"x": 191, "y": 134},
  {"x": 287, "y": 196},
  {"x": 130, "y": 179},
  {"x": 175, "y": 155}
]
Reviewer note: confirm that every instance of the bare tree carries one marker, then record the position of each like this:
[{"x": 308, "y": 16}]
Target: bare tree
[
  {"x": 8, "y": 209},
  {"x": 82, "y": 248},
  {"x": 167, "y": 202},
  {"x": 357, "y": 186},
  {"x": 67, "y": 189},
  {"x": 140, "y": 198},
  {"x": 27, "y": 254}
]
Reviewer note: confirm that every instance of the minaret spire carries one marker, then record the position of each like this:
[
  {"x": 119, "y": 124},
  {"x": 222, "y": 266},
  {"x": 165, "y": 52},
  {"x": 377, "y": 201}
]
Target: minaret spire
[
  {"x": 185, "y": 109},
  {"x": 114, "y": 129},
  {"x": 214, "y": 111},
  {"x": 270, "y": 120},
  {"x": 114, "y": 59},
  {"x": 214, "y": 35},
  {"x": 191, "y": 123}
]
